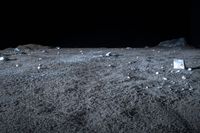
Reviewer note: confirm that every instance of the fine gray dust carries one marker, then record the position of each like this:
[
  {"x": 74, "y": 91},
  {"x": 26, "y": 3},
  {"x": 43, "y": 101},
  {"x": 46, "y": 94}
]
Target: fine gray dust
[{"x": 68, "y": 90}]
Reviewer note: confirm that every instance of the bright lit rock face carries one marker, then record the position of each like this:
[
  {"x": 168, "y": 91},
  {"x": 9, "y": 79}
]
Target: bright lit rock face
[{"x": 136, "y": 91}]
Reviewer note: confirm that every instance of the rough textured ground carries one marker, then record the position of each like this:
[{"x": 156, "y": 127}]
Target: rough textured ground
[{"x": 83, "y": 91}]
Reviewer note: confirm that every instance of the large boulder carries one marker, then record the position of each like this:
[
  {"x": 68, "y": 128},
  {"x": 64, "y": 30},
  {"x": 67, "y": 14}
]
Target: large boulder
[{"x": 180, "y": 42}]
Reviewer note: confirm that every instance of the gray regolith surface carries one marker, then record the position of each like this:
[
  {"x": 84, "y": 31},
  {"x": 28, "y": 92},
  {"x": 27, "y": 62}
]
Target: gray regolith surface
[{"x": 82, "y": 90}]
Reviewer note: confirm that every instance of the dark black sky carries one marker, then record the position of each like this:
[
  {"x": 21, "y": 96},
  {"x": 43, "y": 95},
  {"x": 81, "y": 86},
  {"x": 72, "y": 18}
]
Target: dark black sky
[{"x": 111, "y": 25}]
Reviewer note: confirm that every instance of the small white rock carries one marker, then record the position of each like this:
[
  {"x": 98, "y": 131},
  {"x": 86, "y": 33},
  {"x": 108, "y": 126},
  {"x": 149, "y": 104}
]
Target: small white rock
[
  {"x": 39, "y": 66},
  {"x": 108, "y": 54},
  {"x": 2, "y": 58},
  {"x": 189, "y": 69},
  {"x": 157, "y": 73},
  {"x": 177, "y": 71},
  {"x": 164, "y": 78},
  {"x": 162, "y": 67},
  {"x": 81, "y": 51},
  {"x": 137, "y": 57},
  {"x": 128, "y": 77},
  {"x": 111, "y": 65},
  {"x": 17, "y": 65},
  {"x": 129, "y": 62},
  {"x": 183, "y": 77},
  {"x": 146, "y": 87},
  {"x": 43, "y": 51},
  {"x": 58, "y": 48},
  {"x": 16, "y": 49},
  {"x": 40, "y": 59},
  {"x": 190, "y": 88}
]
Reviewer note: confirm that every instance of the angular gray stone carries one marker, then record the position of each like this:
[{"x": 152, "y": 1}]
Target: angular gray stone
[{"x": 180, "y": 42}]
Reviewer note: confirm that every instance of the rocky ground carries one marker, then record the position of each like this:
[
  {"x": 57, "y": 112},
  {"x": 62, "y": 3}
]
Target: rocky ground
[{"x": 131, "y": 90}]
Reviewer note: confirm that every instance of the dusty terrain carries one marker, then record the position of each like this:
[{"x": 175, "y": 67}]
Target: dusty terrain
[{"x": 133, "y": 90}]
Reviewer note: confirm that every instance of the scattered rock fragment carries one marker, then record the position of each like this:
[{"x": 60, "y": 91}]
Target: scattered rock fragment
[
  {"x": 108, "y": 54},
  {"x": 110, "y": 65},
  {"x": 17, "y": 50},
  {"x": 183, "y": 77},
  {"x": 39, "y": 67},
  {"x": 58, "y": 48},
  {"x": 44, "y": 51},
  {"x": 128, "y": 77},
  {"x": 2, "y": 58},
  {"x": 180, "y": 42},
  {"x": 164, "y": 78},
  {"x": 128, "y": 47},
  {"x": 129, "y": 62},
  {"x": 177, "y": 71},
  {"x": 157, "y": 73}
]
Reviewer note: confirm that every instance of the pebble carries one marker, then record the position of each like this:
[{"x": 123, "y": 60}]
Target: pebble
[
  {"x": 58, "y": 48},
  {"x": 40, "y": 59},
  {"x": 189, "y": 69},
  {"x": 39, "y": 67},
  {"x": 44, "y": 51},
  {"x": 146, "y": 87},
  {"x": 128, "y": 47},
  {"x": 108, "y": 54},
  {"x": 81, "y": 51},
  {"x": 129, "y": 62},
  {"x": 17, "y": 50},
  {"x": 183, "y": 77},
  {"x": 157, "y": 73},
  {"x": 2, "y": 58},
  {"x": 190, "y": 88},
  {"x": 173, "y": 82},
  {"x": 111, "y": 65},
  {"x": 128, "y": 77},
  {"x": 17, "y": 65},
  {"x": 164, "y": 78}
]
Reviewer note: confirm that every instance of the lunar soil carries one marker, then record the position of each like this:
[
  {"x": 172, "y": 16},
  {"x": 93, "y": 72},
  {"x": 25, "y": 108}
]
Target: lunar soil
[{"x": 99, "y": 90}]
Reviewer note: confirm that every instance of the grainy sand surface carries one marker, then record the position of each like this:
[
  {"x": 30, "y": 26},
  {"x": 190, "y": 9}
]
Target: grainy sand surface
[{"x": 82, "y": 90}]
